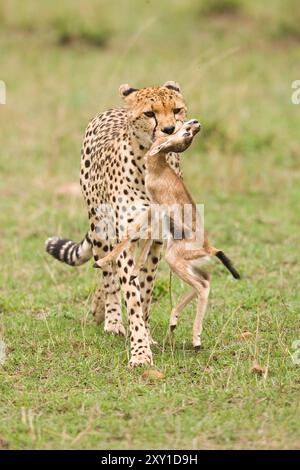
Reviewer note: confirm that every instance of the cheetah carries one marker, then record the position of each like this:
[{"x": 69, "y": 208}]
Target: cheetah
[{"x": 113, "y": 186}]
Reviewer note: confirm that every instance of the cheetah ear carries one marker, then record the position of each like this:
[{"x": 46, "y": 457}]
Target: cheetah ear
[
  {"x": 126, "y": 92},
  {"x": 172, "y": 86}
]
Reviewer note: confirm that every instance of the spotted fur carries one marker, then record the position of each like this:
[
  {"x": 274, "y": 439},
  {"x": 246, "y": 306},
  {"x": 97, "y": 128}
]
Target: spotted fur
[{"x": 112, "y": 172}]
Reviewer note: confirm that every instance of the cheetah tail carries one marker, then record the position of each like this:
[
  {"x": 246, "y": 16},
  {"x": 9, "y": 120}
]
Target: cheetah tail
[{"x": 68, "y": 251}]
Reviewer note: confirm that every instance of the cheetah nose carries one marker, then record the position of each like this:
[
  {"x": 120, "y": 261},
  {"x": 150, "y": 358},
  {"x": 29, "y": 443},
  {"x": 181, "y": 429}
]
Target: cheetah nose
[{"x": 168, "y": 130}]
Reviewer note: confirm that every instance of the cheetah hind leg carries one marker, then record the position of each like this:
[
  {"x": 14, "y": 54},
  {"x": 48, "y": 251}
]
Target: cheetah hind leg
[
  {"x": 98, "y": 305},
  {"x": 111, "y": 325}
]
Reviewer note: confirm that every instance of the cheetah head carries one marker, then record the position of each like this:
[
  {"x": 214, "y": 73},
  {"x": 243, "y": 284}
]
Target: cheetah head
[{"x": 154, "y": 111}]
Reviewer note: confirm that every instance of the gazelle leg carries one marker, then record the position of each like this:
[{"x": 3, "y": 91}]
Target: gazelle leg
[
  {"x": 142, "y": 257},
  {"x": 207, "y": 250},
  {"x": 203, "y": 293},
  {"x": 195, "y": 254},
  {"x": 119, "y": 248},
  {"x": 178, "y": 308},
  {"x": 199, "y": 280}
]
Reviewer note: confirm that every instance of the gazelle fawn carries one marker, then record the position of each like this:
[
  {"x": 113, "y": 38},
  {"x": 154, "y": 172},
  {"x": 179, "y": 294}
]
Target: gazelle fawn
[{"x": 185, "y": 254}]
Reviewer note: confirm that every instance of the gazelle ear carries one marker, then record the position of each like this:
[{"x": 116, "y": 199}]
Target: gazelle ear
[
  {"x": 127, "y": 92},
  {"x": 172, "y": 86}
]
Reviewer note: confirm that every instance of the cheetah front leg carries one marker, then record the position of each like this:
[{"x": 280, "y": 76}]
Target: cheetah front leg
[
  {"x": 147, "y": 277},
  {"x": 139, "y": 339}
]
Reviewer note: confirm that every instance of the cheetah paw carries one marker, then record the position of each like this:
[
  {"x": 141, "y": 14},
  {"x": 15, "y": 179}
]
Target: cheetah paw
[
  {"x": 115, "y": 329},
  {"x": 140, "y": 360}
]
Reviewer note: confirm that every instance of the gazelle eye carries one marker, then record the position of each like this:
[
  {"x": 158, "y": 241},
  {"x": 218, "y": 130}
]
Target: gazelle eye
[
  {"x": 177, "y": 110},
  {"x": 149, "y": 114}
]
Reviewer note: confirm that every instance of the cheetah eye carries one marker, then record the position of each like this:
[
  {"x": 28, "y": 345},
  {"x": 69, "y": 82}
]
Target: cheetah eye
[
  {"x": 149, "y": 114},
  {"x": 177, "y": 110}
]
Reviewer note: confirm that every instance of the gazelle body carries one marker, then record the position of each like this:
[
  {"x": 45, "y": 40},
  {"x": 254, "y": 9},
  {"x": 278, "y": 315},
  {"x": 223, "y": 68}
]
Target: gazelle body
[{"x": 165, "y": 188}]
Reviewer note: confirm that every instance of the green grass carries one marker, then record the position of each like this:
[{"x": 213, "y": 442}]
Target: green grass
[{"x": 65, "y": 383}]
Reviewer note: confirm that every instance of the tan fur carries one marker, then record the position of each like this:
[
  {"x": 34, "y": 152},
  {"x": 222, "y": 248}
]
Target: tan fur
[
  {"x": 112, "y": 179},
  {"x": 165, "y": 187}
]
